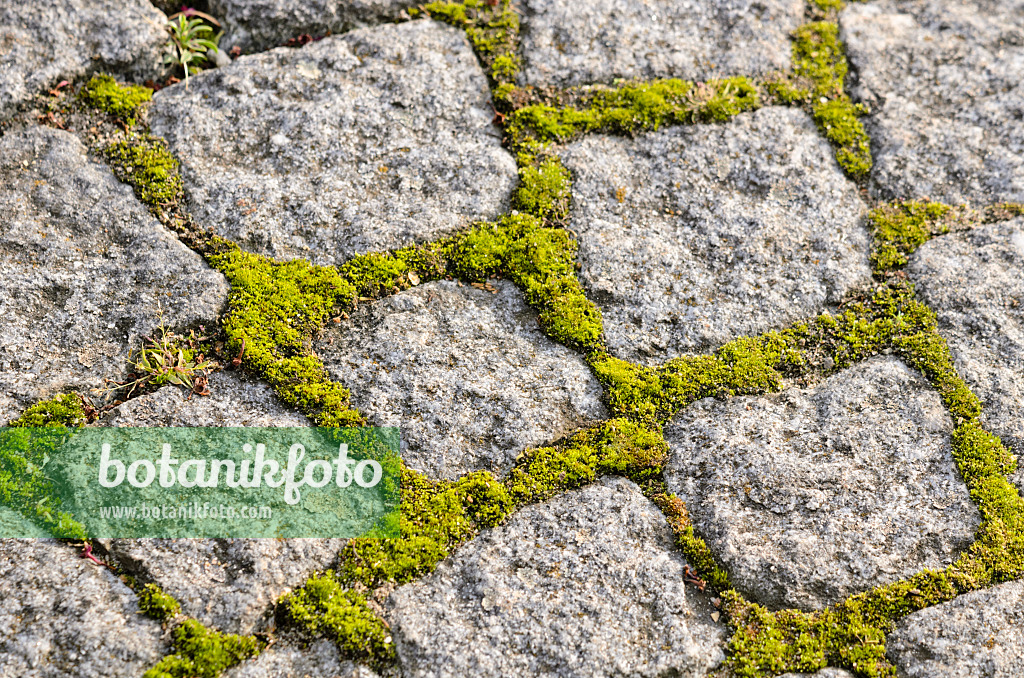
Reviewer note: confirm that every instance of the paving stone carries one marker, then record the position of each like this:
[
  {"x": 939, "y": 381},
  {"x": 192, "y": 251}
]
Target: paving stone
[
  {"x": 972, "y": 280},
  {"x": 61, "y": 615},
  {"x": 85, "y": 271},
  {"x": 319, "y": 660},
  {"x": 231, "y": 584},
  {"x": 587, "y": 584},
  {"x": 234, "y": 400},
  {"x": 467, "y": 375},
  {"x": 360, "y": 142},
  {"x": 692, "y": 236},
  {"x": 811, "y": 495},
  {"x": 256, "y": 25},
  {"x": 45, "y": 41},
  {"x": 978, "y": 635},
  {"x": 573, "y": 43},
  {"x": 943, "y": 81}
]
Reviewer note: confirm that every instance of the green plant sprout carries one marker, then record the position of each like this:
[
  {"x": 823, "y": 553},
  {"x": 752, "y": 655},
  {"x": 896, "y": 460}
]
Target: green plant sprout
[
  {"x": 189, "y": 43},
  {"x": 169, "y": 359}
]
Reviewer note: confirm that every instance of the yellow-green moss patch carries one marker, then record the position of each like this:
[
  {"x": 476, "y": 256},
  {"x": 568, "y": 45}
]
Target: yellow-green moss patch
[
  {"x": 122, "y": 101},
  {"x": 203, "y": 653}
]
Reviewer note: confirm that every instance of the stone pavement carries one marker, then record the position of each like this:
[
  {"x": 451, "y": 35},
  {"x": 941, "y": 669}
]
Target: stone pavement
[{"x": 703, "y": 321}]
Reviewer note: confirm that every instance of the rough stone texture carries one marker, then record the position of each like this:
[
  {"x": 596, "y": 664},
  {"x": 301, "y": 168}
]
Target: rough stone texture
[
  {"x": 943, "y": 80},
  {"x": 234, "y": 400},
  {"x": 61, "y": 615},
  {"x": 359, "y": 142},
  {"x": 692, "y": 236},
  {"x": 467, "y": 375},
  {"x": 978, "y": 635},
  {"x": 256, "y": 25},
  {"x": 809, "y": 496},
  {"x": 573, "y": 43},
  {"x": 229, "y": 583},
  {"x": 84, "y": 272},
  {"x": 588, "y": 584},
  {"x": 44, "y": 41},
  {"x": 973, "y": 282},
  {"x": 319, "y": 660}
]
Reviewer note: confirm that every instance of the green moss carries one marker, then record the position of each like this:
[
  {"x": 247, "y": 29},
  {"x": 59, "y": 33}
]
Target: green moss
[
  {"x": 103, "y": 92},
  {"x": 144, "y": 163},
  {"x": 25, "y": 445},
  {"x": 633, "y": 107},
  {"x": 839, "y": 120},
  {"x": 544, "y": 186},
  {"x": 743, "y": 366},
  {"x": 901, "y": 227},
  {"x": 62, "y": 410},
  {"x": 203, "y": 653},
  {"x": 323, "y": 607},
  {"x": 492, "y": 29},
  {"x": 619, "y": 447},
  {"x": 274, "y": 311},
  {"x": 153, "y": 602},
  {"x": 852, "y": 633},
  {"x": 541, "y": 261},
  {"x": 818, "y": 82},
  {"x": 693, "y": 547},
  {"x": 829, "y": 5}
]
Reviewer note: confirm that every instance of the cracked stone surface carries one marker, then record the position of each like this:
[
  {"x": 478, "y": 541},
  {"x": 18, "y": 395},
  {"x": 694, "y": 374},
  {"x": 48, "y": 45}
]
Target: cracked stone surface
[
  {"x": 61, "y": 615},
  {"x": 319, "y": 660},
  {"x": 466, "y": 373},
  {"x": 45, "y": 41},
  {"x": 943, "y": 80},
  {"x": 256, "y": 25},
  {"x": 234, "y": 400},
  {"x": 587, "y": 584},
  {"x": 85, "y": 272},
  {"x": 355, "y": 143},
  {"x": 972, "y": 281},
  {"x": 692, "y": 236},
  {"x": 573, "y": 43},
  {"x": 811, "y": 495},
  {"x": 978, "y": 634}
]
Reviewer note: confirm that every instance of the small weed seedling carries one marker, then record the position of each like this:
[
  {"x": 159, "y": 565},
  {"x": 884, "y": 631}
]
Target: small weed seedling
[{"x": 189, "y": 43}]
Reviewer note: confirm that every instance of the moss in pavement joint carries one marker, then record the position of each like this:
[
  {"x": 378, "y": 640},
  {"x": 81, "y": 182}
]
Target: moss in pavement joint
[
  {"x": 122, "y": 101},
  {"x": 818, "y": 82},
  {"x": 203, "y": 653},
  {"x": 743, "y": 366},
  {"x": 632, "y": 107},
  {"x": 144, "y": 163},
  {"x": 693, "y": 547},
  {"x": 153, "y": 602},
  {"x": 62, "y": 410},
  {"x": 324, "y": 607},
  {"x": 438, "y": 516},
  {"x": 492, "y": 29},
  {"x": 25, "y": 445},
  {"x": 900, "y": 228},
  {"x": 274, "y": 311}
]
